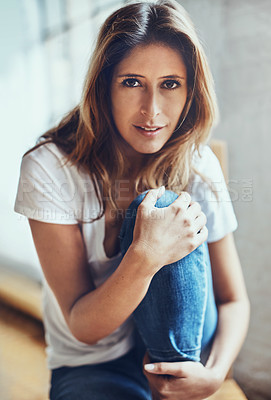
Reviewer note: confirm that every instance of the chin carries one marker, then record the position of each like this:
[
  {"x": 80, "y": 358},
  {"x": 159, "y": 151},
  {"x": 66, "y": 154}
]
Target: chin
[
  {"x": 148, "y": 151},
  {"x": 152, "y": 149}
]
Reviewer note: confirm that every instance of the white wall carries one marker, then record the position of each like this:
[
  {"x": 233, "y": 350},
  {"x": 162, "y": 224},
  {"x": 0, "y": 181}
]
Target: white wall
[
  {"x": 237, "y": 35},
  {"x": 45, "y": 48}
]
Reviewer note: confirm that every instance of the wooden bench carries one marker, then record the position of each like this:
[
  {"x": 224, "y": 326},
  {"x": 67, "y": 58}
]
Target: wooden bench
[{"x": 23, "y": 371}]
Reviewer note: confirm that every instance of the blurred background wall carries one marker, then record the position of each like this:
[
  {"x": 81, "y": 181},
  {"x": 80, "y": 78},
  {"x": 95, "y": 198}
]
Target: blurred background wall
[
  {"x": 237, "y": 36},
  {"x": 45, "y": 47}
]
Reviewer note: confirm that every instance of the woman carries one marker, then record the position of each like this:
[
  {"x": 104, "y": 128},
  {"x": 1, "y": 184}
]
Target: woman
[{"x": 126, "y": 263}]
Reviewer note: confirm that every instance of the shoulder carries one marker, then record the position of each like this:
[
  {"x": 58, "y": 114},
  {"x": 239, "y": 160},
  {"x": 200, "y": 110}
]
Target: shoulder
[
  {"x": 208, "y": 187},
  {"x": 50, "y": 184},
  {"x": 47, "y": 154},
  {"x": 207, "y": 177},
  {"x": 206, "y": 162},
  {"x": 50, "y": 161}
]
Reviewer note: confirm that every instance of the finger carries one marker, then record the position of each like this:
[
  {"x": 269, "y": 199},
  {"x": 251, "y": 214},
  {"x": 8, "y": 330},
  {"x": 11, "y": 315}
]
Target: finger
[
  {"x": 202, "y": 235},
  {"x": 200, "y": 222},
  {"x": 183, "y": 201},
  {"x": 194, "y": 210},
  {"x": 152, "y": 196},
  {"x": 164, "y": 368}
]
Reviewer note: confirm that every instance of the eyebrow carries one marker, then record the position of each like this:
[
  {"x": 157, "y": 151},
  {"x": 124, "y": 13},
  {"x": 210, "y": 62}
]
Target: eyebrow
[{"x": 161, "y": 77}]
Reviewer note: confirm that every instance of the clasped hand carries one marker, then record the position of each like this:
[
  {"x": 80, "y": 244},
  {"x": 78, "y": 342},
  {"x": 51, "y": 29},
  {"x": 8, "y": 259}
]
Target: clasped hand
[
  {"x": 180, "y": 380},
  {"x": 182, "y": 221}
]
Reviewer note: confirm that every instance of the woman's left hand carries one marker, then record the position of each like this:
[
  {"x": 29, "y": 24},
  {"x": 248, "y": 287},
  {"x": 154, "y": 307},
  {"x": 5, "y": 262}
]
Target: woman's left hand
[{"x": 181, "y": 380}]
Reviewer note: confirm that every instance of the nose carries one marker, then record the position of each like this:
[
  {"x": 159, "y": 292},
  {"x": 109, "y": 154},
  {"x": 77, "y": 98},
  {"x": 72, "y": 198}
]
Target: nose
[{"x": 150, "y": 104}]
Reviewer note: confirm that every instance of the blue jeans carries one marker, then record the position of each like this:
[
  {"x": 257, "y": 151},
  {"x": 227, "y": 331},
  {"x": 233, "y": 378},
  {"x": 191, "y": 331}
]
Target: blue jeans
[{"x": 176, "y": 321}]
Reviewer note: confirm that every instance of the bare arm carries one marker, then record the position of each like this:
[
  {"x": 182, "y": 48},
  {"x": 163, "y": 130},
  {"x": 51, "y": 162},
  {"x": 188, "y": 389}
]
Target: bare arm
[
  {"x": 233, "y": 305},
  {"x": 93, "y": 313},
  {"x": 63, "y": 258}
]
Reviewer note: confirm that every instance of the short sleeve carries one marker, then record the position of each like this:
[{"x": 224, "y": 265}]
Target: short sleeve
[
  {"x": 213, "y": 197},
  {"x": 47, "y": 191}
]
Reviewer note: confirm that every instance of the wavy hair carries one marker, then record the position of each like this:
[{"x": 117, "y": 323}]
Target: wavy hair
[{"x": 88, "y": 135}]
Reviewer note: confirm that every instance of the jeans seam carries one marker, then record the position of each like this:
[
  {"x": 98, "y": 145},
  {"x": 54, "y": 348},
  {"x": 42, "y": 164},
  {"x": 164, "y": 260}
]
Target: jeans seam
[
  {"x": 174, "y": 351},
  {"x": 174, "y": 356}
]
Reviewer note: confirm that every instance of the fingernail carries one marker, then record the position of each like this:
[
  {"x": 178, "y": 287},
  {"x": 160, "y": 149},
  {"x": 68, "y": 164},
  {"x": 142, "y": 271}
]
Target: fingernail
[
  {"x": 149, "y": 367},
  {"x": 161, "y": 190}
]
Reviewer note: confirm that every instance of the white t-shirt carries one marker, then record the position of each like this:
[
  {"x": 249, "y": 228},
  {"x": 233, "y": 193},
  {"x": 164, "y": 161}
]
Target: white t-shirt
[{"x": 51, "y": 192}]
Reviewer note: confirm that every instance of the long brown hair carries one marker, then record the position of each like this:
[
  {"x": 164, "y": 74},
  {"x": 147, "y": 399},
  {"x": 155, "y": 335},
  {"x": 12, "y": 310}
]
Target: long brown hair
[{"x": 88, "y": 135}]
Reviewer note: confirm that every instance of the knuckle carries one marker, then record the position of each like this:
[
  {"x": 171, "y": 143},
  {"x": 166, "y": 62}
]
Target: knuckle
[
  {"x": 175, "y": 208},
  {"x": 159, "y": 368},
  {"x": 190, "y": 232},
  {"x": 187, "y": 222},
  {"x": 191, "y": 246}
]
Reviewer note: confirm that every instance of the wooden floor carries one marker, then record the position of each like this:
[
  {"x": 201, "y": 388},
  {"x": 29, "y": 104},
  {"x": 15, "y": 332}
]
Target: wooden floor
[{"x": 23, "y": 372}]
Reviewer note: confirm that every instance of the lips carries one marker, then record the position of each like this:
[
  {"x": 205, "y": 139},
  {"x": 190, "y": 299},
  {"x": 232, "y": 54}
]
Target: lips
[{"x": 149, "y": 130}]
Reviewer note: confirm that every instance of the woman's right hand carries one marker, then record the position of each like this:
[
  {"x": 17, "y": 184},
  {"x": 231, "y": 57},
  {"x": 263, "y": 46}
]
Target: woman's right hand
[{"x": 165, "y": 235}]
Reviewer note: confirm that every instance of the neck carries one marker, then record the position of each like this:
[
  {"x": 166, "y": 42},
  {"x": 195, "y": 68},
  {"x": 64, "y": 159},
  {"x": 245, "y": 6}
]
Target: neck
[
  {"x": 134, "y": 166},
  {"x": 134, "y": 161}
]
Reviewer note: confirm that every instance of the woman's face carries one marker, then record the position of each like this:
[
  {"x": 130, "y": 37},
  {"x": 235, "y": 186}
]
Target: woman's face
[{"x": 148, "y": 94}]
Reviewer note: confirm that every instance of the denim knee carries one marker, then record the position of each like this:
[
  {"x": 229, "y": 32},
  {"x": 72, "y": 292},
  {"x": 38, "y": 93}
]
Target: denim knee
[
  {"x": 164, "y": 201},
  {"x": 161, "y": 336},
  {"x": 126, "y": 233}
]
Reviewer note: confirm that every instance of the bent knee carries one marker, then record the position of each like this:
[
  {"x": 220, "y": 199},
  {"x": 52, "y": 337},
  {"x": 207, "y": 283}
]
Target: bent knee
[{"x": 164, "y": 201}]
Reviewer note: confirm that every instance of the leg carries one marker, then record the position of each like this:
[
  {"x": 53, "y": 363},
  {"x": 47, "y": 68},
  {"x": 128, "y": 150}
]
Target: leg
[
  {"x": 177, "y": 317},
  {"x": 120, "y": 379}
]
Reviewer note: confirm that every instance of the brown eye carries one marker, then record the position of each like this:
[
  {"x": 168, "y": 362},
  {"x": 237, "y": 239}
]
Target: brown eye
[
  {"x": 131, "y": 82},
  {"x": 171, "y": 84}
]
